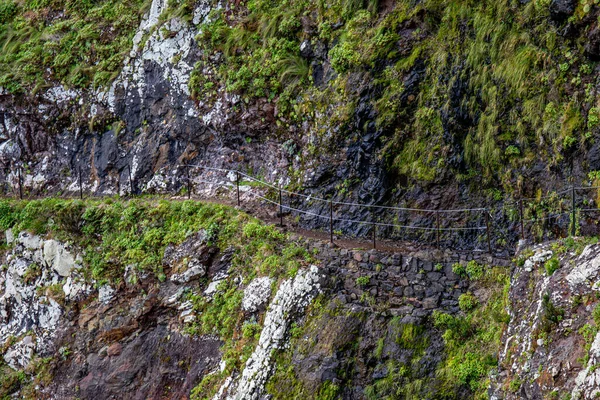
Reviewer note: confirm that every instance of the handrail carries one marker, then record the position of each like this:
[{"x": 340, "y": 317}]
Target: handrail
[
  {"x": 435, "y": 226},
  {"x": 337, "y": 202},
  {"x": 332, "y": 219}
]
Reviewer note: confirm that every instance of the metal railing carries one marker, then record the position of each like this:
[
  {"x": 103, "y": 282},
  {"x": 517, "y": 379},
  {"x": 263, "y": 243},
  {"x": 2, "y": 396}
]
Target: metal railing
[
  {"x": 330, "y": 218},
  {"x": 477, "y": 223}
]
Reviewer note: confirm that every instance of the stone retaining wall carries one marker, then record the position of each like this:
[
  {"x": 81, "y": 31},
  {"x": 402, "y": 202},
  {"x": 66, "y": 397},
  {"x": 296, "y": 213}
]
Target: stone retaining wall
[{"x": 411, "y": 286}]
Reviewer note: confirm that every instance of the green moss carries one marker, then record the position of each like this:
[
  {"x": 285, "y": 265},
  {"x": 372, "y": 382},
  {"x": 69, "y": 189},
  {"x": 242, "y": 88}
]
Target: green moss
[
  {"x": 75, "y": 43},
  {"x": 471, "y": 270},
  {"x": 467, "y": 302},
  {"x": 403, "y": 378},
  {"x": 551, "y": 265},
  {"x": 363, "y": 280}
]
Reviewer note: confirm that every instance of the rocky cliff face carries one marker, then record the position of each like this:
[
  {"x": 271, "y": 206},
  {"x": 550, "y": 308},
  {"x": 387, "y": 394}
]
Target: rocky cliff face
[
  {"x": 145, "y": 123},
  {"x": 437, "y": 104},
  {"x": 310, "y": 106},
  {"x": 129, "y": 300},
  {"x": 550, "y": 348},
  {"x": 258, "y": 315}
]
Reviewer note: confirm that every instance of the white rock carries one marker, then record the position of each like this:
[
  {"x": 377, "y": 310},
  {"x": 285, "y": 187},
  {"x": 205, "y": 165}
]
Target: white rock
[
  {"x": 58, "y": 258},
  {"x": 169, "y": 51},
  {"x": 587, "y": 382},
  {"x": 59, "y": 94},
  {"x": 10, "y": 237},
  {"x": 175, "y": 297},
  {"x": 105, "y": 294},
  {"x": 539, "y": 257},
  {"x": 292, "y": 297},
  {"x": 212, "y": 287},
  {"x": 214, "y": 284},
  {"x": 31, "y": 242},
  {"x": 9, "y": 151},
  {"x": 257, "y": 294},
  {"x": 20, "y": 353},
  {"x": 587, "y": 268},
  {"x": 194, "y": 271},
  {"x": 73, "y": 288}
]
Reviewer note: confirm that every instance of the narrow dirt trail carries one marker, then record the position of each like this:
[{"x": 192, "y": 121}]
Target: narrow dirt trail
[{"x": 270, "y": 215}]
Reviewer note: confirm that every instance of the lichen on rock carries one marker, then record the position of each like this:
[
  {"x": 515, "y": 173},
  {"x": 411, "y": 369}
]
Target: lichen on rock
[{"x": 291, "y": 298}]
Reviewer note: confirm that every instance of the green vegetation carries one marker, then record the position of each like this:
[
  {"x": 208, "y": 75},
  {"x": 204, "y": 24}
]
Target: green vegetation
[
  {"x": 551, "y": 316},
  {"x": 402, "y": 379},
  {"x": 116, "y": 233},
  {"x": 467, "y": 302},
  {"x": 570, "y": 244},
  {"x": 551, "y": 265},
  {"x": 472, "y": 340},
  {"x": 363, "y": 280},
  {"x": 113, "y": 234},
  {"x": 589, "y": 331},
  {"x": 525, "y": 90},
  {"x": 320, "y": 320},
  {"x": 77, "y": 43},
  {"x": 26, "y": 380},
  {"x": 471, "y": 270},
  {"x": 497, "y": 86}
]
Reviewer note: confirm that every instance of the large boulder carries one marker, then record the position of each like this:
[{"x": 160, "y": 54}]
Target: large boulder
[
  {"x": 562, "y": 9},
  {"x": 257, "y": 294}
]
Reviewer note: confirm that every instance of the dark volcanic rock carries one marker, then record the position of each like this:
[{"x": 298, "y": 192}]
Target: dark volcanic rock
[
  {"x": 592, "y": 46},
  {"x": 562, "y": 9},
  {"x": 148, "y": 363},
  {"x": 593, "y": 157}
]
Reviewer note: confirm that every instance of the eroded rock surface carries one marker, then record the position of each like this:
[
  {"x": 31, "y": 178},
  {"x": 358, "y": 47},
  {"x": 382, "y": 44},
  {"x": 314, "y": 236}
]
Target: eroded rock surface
[
  {"x": 32, "y": 295},
  {"x": 551, "y": 346},
  {"x": 124, "y": 341},
  {"x": 291, "y": 298}
]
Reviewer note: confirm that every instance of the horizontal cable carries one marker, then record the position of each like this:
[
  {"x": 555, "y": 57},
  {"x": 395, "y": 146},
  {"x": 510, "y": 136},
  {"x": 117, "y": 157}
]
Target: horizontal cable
[
  {"x": 366, "y": 222},
  {"x": 546, "y": 217},
  {"x": 342, "y": 203},
  {"x": 423, "y": 210},
  {"x": 226, "y": 184}
]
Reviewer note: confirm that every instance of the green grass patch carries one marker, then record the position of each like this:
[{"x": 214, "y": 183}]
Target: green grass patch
[
  {"x": 472, "y": 340},
  {"x": 77, "y": 43}
]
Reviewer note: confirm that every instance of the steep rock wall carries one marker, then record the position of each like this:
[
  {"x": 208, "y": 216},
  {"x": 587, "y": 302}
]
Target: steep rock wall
[
  {"x": 550, "y": 347},
  {"x": 203, "y": 325}
]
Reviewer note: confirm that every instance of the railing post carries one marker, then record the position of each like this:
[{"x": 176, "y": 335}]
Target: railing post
[
  {"x": 20, "y": 184},
  {"x": 374, "y": 237},
  {"x": 488, "y": 233},
  {"x": 374, "y": 230},
  {"x": 573, "y": 210},
  {"x": 237, "y": 184},
  {"x": 189, "y": 183},
  {"x": 80, "y": 186},
  {"x": 437, "y": 230},
  {"x": 331, "y": 221},
  {"x": 521, "y": 219},
  {"x": 280, "y": 209}
]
